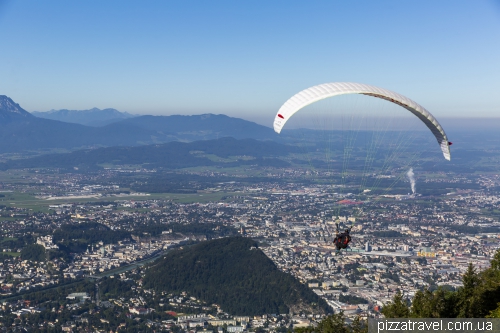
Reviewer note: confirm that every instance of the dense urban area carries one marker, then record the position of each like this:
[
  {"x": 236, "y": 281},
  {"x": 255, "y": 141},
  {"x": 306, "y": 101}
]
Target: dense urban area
[{"x": 53, "y": 277}]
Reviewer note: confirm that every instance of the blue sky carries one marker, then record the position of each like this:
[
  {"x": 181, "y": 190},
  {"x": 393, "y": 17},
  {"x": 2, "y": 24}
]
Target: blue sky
[{"x": 246, "y": 58}]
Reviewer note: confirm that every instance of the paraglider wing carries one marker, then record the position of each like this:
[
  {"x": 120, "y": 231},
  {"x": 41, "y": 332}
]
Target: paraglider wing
[{"x": 322, "y": 91}]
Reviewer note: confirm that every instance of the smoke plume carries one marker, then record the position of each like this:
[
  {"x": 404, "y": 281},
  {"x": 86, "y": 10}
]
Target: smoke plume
[{"x": 411, "y": 177}]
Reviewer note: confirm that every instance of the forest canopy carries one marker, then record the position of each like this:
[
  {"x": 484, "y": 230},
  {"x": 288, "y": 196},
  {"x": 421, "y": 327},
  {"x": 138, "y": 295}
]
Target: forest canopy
[{"x": 233, "y": 273}]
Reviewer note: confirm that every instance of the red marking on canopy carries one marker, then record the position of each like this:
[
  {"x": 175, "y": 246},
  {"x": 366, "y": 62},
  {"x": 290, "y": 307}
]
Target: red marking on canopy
[{"x": 281, "y": 116}]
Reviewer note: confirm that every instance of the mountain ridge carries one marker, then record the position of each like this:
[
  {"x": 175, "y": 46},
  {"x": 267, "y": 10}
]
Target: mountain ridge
[
  {"x": 235, "y": 274},
  {"x": 90, "y": 117},
  {"x": 11, "y": 111},
  {"x": 22, "y": 131}
]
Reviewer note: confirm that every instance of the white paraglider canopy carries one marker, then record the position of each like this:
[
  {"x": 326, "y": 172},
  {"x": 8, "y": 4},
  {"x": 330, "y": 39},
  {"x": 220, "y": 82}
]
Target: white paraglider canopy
[{"x": 322, "y": 91}]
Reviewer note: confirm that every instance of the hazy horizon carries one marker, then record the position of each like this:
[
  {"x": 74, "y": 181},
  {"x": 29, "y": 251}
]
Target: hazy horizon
[{"x": 446, "y": 122}]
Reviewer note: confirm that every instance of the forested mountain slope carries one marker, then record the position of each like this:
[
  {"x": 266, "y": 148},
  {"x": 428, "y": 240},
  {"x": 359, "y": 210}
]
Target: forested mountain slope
[{"x": 235, "y": 274}]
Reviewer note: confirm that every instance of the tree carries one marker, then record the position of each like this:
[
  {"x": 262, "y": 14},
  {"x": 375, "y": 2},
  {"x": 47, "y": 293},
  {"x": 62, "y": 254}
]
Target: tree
[
  {"x": 398, "y": 308},
  {"x": 33, "y": 252},
  {"x": 478, "y": 298},
  {"x": 437, "y": 304},
  {"x": 494, "y": 313},
  {"x": 468, "y": 306},
  {"x": 358, "y": 326},
  {"x": 495, "y": 262},
  {"x": 334, "y": 323},
  {"x": 421, "y": 305},
  {"x": 489, "y": 290},
  {"x": 446, "y": 303}
]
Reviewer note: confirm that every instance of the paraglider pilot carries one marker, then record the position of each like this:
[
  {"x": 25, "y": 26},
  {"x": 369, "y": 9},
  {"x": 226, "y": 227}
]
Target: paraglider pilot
[{"x": 342, "y": 240}]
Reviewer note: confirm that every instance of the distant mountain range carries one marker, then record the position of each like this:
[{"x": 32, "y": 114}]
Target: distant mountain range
[
  {"x": 22, "y": 131},
  {"x": 93, "y": 117}
]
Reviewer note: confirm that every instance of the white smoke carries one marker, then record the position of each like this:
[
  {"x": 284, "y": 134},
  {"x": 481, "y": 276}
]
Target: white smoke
[{"x": 411, "y": 177}]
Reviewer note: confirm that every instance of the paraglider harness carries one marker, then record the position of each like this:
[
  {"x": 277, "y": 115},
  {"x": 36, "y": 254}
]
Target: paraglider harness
[{"x": 342, "y": 240}]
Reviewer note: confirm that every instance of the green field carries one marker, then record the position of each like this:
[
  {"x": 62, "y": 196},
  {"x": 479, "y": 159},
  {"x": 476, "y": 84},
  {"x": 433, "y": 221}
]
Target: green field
[{"x": 215, "y": 158}]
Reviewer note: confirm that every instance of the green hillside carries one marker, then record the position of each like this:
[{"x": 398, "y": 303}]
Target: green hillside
[{"x": 235, "y": 274}]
